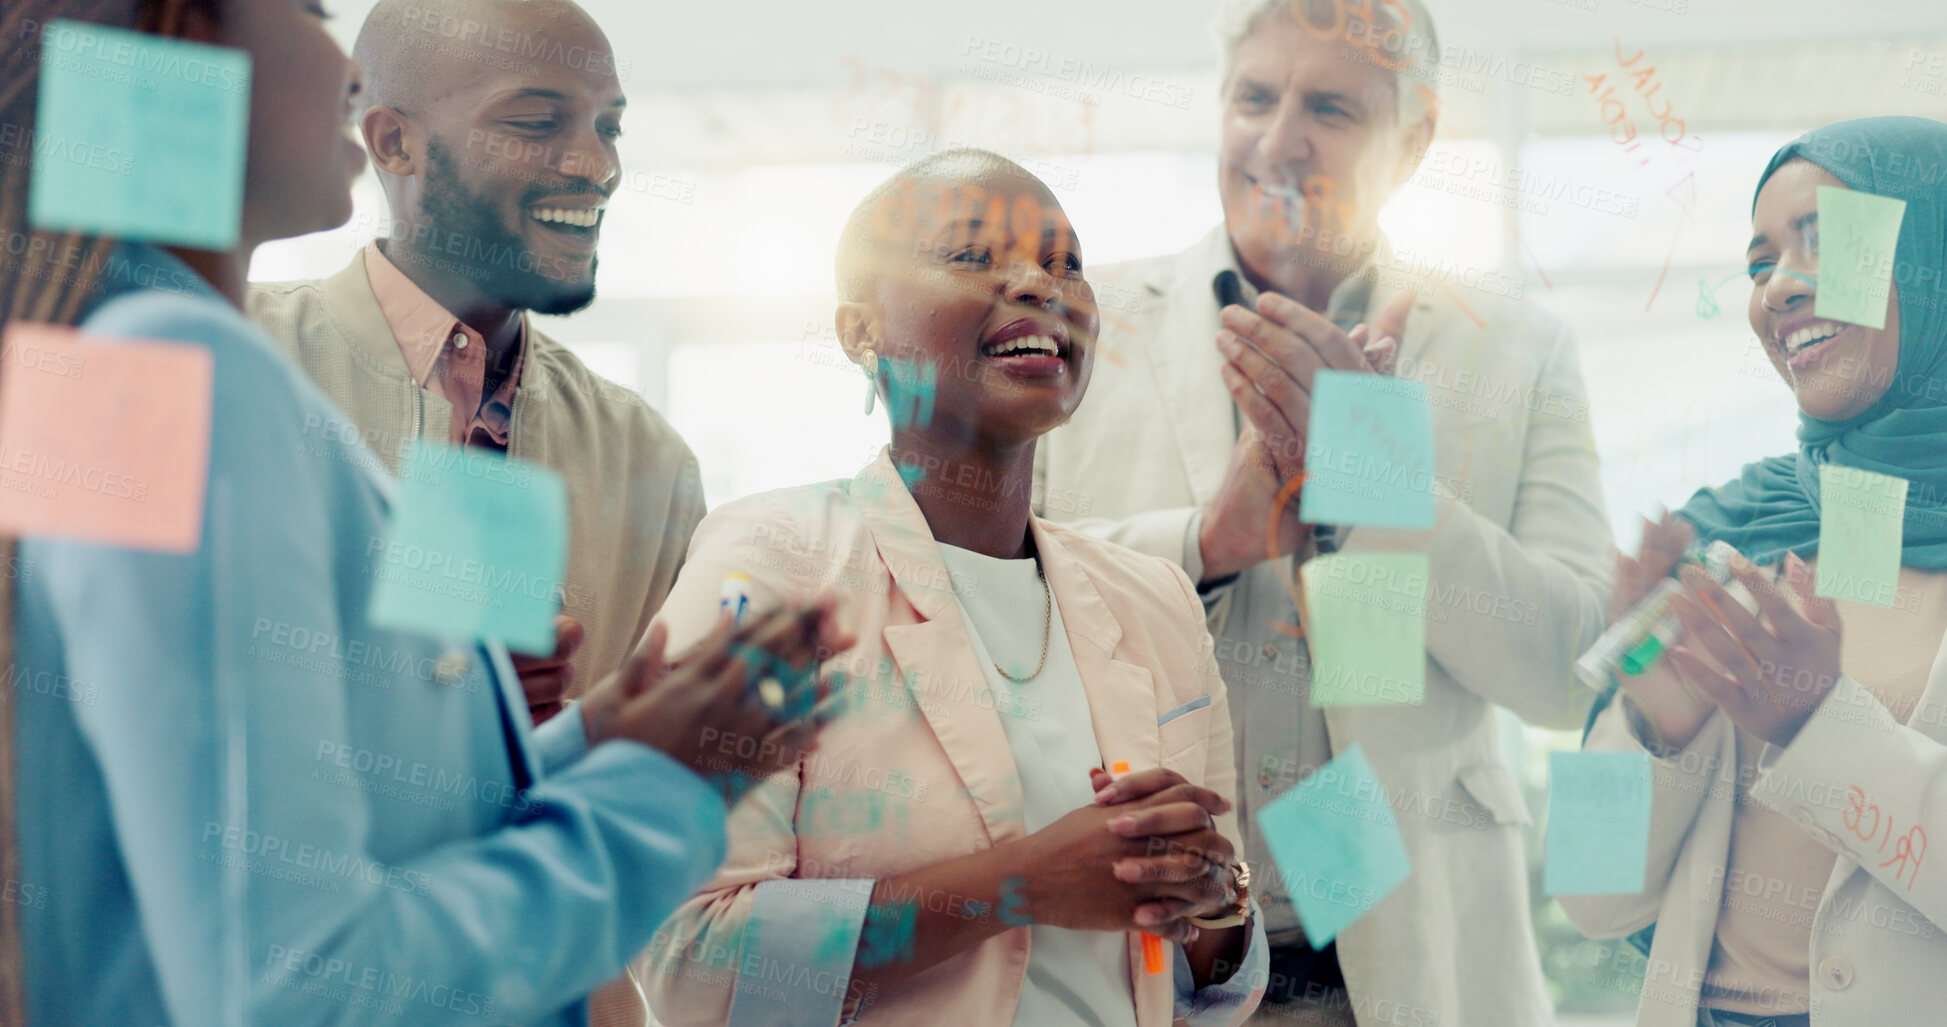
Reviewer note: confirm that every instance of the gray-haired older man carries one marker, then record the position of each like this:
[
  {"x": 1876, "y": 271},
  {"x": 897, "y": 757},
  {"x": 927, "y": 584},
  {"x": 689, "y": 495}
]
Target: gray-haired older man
[{"x": 1185, "y": 445}]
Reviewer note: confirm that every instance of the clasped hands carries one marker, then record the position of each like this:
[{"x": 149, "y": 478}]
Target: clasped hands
[
  {"x": 1145, "y": 855},
  {"x": 1767, "y": 671}
]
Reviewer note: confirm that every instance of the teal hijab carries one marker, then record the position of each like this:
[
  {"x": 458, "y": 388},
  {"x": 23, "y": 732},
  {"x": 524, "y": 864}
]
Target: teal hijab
[{"x": 1773, "y": 508}]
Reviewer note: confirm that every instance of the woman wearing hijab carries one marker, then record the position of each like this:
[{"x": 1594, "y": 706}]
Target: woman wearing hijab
[{"x": 1798, "y": 768}]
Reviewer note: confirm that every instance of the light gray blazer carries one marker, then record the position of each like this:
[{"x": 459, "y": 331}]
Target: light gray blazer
[
  {"x": 1856, "y": 780},
  {"x": 1518, "y": 557}
]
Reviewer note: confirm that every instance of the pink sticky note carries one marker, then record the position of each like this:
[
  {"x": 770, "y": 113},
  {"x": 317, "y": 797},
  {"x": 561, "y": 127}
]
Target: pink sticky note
[{"x": 103, "y": 440}]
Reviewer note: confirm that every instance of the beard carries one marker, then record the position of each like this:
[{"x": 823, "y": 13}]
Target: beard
[{"x": 506, "y": 269}]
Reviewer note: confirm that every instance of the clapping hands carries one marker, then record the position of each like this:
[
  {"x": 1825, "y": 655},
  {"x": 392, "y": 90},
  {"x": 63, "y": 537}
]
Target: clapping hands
[
  {"x": 709, "y": 707},
  {"x": 1767, "y": 671},
  {"x": 1271, "y": 359}
]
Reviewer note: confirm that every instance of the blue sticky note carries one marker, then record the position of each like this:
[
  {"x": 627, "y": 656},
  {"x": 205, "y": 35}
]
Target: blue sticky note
[
  {"x": 476, "y": 547},
  {"x": 1369, "y": 452},
  {"x": 1598, "y": 823},
  {"x": 139, "y": 136},
  {"x": 1336, "y": 843}
]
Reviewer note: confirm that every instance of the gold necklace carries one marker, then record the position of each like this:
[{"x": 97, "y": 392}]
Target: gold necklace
[{"x": 1047, "y": 628}]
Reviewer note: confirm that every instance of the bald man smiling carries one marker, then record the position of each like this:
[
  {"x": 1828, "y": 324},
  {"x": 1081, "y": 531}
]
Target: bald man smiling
[{"x": 492, "y": 125}]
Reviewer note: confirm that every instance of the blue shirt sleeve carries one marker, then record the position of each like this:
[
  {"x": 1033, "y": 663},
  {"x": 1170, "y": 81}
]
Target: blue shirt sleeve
[
  {"x": 1231, "y": 1001},
  {"x": 206, "y": 752},
  {"x": 799, "y": 945},
  {"x": 562, "y": 740}
]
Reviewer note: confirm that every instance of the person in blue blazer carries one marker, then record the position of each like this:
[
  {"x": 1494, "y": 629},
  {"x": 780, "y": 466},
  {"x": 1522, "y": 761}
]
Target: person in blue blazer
[{"x": 245, "y": 802}]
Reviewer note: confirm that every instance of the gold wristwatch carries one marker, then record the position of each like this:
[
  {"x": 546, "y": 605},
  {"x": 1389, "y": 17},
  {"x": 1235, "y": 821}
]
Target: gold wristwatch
[{"x": 1240, "y": 873}]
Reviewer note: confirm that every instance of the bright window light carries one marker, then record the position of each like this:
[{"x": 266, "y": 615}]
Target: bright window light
[{"x": 771, "y": 415}]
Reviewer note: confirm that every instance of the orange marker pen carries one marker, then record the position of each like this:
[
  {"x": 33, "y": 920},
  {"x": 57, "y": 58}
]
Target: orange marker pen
[{"x": 1152, "y": 945}]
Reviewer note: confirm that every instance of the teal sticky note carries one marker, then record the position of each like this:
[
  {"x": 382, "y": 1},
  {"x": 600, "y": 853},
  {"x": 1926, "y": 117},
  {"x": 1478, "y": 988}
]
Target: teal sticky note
[
  {"x": 1013, "y": 904},
  {"x": 888, "y": 933},
  {"x": 1365, "y": 623},
  {"x": 1862, "y": 521},
  {"x": 476, "y": 547},
  {"x": 1369, "y": 452},
  {"x": 1857, "y": 236},
  {"x": 140, "y": 137},
  {"x": 910, "y": 388},
  {"x": 1336, "y": 843},
  {"x": 1598, "y": 836}
]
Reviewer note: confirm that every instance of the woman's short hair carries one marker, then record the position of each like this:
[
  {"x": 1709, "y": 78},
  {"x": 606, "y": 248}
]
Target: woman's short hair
[
  {"x": 861, "y": 253},
  {"x": 1411, "y": 50}
]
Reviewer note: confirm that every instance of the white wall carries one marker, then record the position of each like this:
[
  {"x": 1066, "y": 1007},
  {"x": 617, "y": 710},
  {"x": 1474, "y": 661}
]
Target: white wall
[{"x": 771, "y": 118}]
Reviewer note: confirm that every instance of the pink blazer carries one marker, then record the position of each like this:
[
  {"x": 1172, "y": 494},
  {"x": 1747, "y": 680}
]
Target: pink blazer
[{"x": 918, "y": 769}]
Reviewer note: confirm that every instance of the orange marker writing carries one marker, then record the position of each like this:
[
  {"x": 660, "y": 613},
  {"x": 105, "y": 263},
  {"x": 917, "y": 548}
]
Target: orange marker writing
[{"x": 1152, "y": 945}]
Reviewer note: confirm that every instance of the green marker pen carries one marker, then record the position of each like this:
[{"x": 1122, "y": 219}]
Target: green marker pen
[
  {"x": 1635, "y": 642},
  {"x": 1645, "y": 653}
]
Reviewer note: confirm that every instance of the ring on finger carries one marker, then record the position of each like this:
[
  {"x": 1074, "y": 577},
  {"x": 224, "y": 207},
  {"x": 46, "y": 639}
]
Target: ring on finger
[{"x": 770, "y": 692}]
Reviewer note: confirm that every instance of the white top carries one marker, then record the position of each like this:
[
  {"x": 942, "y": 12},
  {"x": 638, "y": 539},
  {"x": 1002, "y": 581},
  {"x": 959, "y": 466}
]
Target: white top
[{"x": 1074, "y": 977}]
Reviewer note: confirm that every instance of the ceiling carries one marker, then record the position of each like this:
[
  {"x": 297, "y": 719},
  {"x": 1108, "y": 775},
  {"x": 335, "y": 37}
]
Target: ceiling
[
  {"x": 756, "y": 44},
  {"x": 748, "y": 83}
]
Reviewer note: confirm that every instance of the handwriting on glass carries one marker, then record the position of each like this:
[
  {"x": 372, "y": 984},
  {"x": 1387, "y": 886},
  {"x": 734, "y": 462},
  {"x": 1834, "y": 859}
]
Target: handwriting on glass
[{"x": 1910, "y": 846}]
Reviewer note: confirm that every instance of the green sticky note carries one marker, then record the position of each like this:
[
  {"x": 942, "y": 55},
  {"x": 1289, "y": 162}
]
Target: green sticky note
[
  {"x": 1598, "y": 836},
  {"x": 476, "y": 547},
  {"x": 1369, "y": 458},
  {"x": 1862, "y": 518},
  {"x": 1365, "y": 623},
  {"x": 1336, "y": 844},
  {"x": 140, "y": 137},
  {"x": 1857, "y": 235}
]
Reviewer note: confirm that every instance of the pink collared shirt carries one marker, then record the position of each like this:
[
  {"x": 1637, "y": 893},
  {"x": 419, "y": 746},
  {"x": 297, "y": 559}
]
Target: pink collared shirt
[{"x": 441, "y": 350}]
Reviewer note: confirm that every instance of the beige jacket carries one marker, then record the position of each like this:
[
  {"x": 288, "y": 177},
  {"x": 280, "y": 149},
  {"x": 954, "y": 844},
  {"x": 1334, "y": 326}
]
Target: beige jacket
[
  {"x": 1518, "y": 558},
  {"x": 920, "y": 720},
  {"x": 1859, "y": 782},
  {"x": 634, "y": 492}
]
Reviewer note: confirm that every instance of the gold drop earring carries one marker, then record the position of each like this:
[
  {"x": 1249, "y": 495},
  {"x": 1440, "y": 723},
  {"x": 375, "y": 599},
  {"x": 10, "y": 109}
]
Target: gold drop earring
[{"x": 871, "y": 365}]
